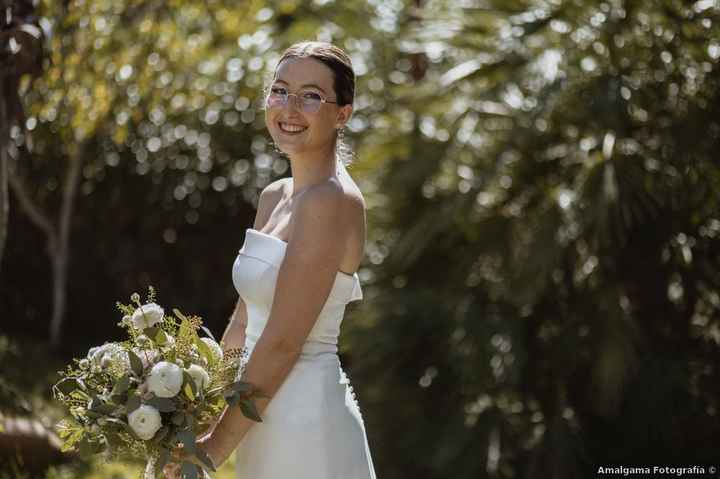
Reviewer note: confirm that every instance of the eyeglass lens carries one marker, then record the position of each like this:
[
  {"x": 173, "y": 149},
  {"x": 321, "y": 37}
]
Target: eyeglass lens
[{"x": 309, "y": 102}]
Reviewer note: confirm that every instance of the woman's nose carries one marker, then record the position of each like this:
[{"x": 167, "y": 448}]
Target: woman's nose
[{"x": 294, "y": 102}]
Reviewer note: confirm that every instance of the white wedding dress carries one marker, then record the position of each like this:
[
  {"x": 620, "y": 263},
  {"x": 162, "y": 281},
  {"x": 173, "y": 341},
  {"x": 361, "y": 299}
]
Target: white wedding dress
[{"x": 312, "y": 428}]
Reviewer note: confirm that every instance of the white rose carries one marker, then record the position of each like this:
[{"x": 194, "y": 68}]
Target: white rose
[
  {"x": 145, "y": 421},
  {"x": 214, "y": 347},
  {"x": 109, "y": 353},
  {"x": 200, "y": 376},
  {"x": 165, "y": 379},
  {"x": 147, "y": 315}
]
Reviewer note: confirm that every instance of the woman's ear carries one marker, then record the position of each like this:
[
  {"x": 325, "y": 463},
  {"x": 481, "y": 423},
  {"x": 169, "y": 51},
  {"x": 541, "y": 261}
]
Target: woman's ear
[{"x": 344, "y": 113}]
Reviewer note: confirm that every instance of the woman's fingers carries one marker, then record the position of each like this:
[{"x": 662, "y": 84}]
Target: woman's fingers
[{"x": 172, "y": 471}]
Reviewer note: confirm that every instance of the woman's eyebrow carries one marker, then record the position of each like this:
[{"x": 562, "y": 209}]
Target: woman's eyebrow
[{"x": 307, "y": 85}]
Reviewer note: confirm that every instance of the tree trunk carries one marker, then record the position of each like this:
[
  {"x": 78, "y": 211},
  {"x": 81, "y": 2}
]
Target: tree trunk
[
  {"x": 58, "y": 238},
  {"x": 4, "y": 199},
  {"x": 60, "y": 255}
]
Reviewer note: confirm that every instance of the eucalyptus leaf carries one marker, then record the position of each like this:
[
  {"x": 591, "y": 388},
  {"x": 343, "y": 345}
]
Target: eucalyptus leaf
[
  {"x": 99, "y": 406},
  {"x": 132, "y": 403},
  {"x": 207, "y": 331},
  {"x": 241, "y": 387},
  {"x": 189, "y": 470},
  {"x": 151, "y": 332},
  {"x": 189, "y": 387},
  {"x": 135, "y": 363},
  {"x": 160, "y": 434},
  {"x": 68, "y": 385},
  {"x": 248, "y": 408},
  {"x": 205, "y": 350},
  {"x": 178, "y": 418},
  {"x": 119, "y": 422},
  {"x": 121, "y": 386},
  {"x": 162, "y": 404},
  {"x": 161, "y": 338}
]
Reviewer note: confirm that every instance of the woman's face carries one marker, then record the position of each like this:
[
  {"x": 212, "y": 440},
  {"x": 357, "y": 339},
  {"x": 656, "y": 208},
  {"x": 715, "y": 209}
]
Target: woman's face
[{"x": 294, "y": 130}]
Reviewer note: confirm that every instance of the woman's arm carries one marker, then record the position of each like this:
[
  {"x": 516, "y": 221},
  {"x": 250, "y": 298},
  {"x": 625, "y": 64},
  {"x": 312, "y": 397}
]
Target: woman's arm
[
  {"x": 234, "y": 335},
  {"x": 306, "y": 276}
]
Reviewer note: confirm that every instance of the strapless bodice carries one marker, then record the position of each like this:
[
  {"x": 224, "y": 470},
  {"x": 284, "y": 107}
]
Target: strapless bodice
[{"x": 254, "y": 275}]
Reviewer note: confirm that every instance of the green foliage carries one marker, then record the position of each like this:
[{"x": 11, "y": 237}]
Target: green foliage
[{"x": 549, "y": 231}]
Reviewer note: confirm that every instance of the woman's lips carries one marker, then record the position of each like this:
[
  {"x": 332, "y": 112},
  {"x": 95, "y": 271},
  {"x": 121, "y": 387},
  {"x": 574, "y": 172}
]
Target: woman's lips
[{"x": 291, "y": 128}]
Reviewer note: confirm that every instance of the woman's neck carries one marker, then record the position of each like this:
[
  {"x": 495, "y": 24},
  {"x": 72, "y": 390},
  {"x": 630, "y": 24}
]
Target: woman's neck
[{"x": 308, "y": 171}]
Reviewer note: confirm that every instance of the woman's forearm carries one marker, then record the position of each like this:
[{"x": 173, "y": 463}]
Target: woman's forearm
[
  {"x": 267, "y": 369},
  {"x": 234, "y": 335}
]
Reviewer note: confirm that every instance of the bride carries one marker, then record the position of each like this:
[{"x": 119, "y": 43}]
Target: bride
[{"x": 294, "y": 274}]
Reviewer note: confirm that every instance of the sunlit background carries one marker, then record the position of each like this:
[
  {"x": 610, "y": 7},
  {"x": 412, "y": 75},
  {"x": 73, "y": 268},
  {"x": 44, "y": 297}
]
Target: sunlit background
[{"x": 542, "y": 271}]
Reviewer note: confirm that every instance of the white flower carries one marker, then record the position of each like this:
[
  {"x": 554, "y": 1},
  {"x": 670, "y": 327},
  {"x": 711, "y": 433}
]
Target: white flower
[
  {"x": 145, "y": 421},
  {"x": 108, "y": 354},
  {"x": 217, "y": 351},
  {"x": 165, "y": 379},
  {"x": 147, "y": 315},
  {"x": 147, "y": 356},
  {"x": 143, "y": 342},
  {"x": 200, "y": 376}
]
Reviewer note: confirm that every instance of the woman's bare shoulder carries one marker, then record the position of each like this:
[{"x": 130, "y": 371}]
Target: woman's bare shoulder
[{"x": 269, "y": 198}]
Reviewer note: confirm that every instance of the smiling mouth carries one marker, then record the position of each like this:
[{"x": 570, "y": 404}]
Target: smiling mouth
[{"x": 290, "y": 128}]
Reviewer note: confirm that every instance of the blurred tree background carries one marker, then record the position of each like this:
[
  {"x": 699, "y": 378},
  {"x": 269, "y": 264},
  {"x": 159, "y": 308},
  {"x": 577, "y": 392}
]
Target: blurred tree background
[{"x": 542, "y": 267}]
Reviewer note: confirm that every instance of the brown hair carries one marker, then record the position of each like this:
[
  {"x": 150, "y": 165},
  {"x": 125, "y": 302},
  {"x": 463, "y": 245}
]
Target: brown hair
[{"x": 335, "y": 58}]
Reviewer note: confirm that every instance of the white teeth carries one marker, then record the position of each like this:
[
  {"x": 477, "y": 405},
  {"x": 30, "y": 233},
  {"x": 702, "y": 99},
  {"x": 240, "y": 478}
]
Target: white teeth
[{"x": 292, "y": 128}]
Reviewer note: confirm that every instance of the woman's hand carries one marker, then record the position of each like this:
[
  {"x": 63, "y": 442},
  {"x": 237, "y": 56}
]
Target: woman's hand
[{"x": 172, "y": 469}]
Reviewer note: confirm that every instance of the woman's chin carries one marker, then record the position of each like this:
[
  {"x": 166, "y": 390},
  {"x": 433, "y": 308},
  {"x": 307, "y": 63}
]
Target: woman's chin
[{"x": 289, "y": 147}]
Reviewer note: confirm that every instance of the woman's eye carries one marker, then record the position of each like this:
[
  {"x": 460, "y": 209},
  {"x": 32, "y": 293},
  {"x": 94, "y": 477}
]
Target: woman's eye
[
  {"x": 278, "y": 90},
  {"x": 311, "y": 96}
]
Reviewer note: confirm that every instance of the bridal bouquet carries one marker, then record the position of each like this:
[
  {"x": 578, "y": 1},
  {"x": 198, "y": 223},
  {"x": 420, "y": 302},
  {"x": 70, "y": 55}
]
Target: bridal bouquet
[{"x": 160, "y": 388}]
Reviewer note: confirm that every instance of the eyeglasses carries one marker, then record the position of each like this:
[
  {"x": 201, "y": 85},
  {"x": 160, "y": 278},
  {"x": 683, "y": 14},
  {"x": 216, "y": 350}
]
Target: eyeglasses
[{"x": 307, "y": 101}]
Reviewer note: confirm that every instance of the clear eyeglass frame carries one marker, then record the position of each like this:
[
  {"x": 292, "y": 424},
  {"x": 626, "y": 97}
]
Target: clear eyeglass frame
[{"x": 307, "y": 104}]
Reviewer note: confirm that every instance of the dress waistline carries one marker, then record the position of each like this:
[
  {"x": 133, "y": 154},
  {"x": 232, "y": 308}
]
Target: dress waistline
[{"x": 311, "y": 349}]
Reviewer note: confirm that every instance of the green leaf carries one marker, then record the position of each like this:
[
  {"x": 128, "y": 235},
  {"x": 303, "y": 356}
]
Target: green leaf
[
  {"x": 113, "y": 420},
  {"x": 162, "y": 404},
  {"x": 207, "y": 331},
  {"x": 205, "y": 351},
  {"x": 70, "y": 433},
  {"x": 178, "y": 418},
  {"x": 189, "y": 470},
  {"x": 161, "y": 338},
  {"x": 151, "y": 332},
  {"x": 68, "y": 385},
  {"x": 232, "y": 399},
  {"x": 121, "y": 386},
  {"x": 241, "y": 387},
  {"x": 177, "y": 313},
  {"x": 187, "y": 438},
  {"x": 160, "y": 434},
  {"x": 135, "y": 363},
  {"x": 99, "y": 406},
  {"x": 132, "y": 403},
  {"x": 190, "y": 388},
  {"x": 248, "y": 408}
]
